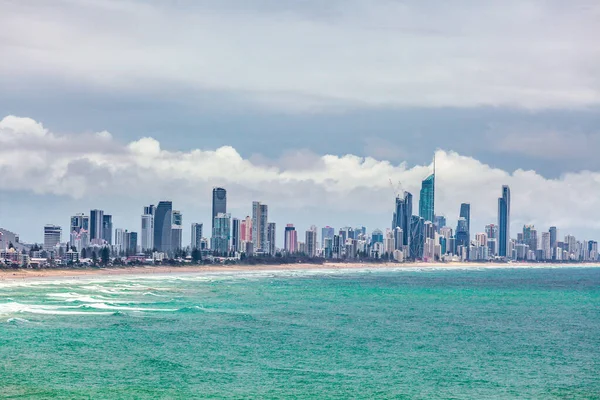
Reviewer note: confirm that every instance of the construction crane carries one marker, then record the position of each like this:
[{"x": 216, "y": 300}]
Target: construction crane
[{"x": 396, "y": 189}]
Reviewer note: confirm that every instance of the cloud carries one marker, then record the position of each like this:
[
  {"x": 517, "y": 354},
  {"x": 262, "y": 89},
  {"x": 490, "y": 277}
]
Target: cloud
[
  {"x": 142, "y": 170},
  {"x": 314, "y": 55}
]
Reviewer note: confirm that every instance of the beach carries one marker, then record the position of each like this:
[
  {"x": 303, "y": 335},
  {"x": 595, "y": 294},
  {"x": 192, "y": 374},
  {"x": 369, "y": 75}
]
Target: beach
[{"x": 23, "y": 273}]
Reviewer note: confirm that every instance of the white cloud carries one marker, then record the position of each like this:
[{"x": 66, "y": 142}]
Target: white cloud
[
  {"x": 140, "y": 171},
  {"x": 309, "y": 55}
]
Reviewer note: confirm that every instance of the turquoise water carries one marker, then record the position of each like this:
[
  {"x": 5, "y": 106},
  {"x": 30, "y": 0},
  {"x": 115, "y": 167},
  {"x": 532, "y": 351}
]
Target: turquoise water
[{"x": 490, "y": 333}]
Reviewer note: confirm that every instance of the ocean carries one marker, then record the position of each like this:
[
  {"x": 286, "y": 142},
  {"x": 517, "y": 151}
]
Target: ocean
[{"x": 531, "y": 333}]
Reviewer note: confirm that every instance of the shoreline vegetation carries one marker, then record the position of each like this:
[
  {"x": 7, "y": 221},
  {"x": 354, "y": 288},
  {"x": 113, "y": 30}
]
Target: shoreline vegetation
[{"x": 90, "y": 271}]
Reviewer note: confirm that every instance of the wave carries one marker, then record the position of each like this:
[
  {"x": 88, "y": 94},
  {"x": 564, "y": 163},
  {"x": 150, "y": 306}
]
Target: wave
[
  {"x": 14, "y": 308},
  {"x": 104, "y": 306},
  {"x": 18, "y": 321}
]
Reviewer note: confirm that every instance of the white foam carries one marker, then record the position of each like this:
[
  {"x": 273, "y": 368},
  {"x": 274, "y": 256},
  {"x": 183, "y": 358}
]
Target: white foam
[
  {"x": 104, "y": 306},
  {"x": 14, "y": 307}
]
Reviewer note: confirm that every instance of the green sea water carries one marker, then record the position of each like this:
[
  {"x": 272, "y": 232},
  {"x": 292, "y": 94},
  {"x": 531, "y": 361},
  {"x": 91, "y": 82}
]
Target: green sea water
[{"x": 422, "y": 334}]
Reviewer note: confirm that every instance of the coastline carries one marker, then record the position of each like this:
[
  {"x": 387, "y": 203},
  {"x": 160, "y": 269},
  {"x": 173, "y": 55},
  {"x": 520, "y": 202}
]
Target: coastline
[{"x": 24, "y": 274}]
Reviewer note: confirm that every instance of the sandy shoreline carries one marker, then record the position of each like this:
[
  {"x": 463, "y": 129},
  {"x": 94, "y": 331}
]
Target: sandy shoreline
[{"x": 12, "y": 274}]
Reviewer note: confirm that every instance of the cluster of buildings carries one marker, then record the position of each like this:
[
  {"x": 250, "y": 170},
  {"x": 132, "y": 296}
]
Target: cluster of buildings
[{"x": 422, "y": 236}]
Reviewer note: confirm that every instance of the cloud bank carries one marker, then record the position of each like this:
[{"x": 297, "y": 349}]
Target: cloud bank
[
  {"x": 312, "y": 54},
  {"x": 86, "y": 166}
]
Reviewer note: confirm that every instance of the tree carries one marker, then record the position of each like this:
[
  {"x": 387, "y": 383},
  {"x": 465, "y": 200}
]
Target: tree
[
  {"x": 105, "y": 255},
  {"x": 94, "y": 257},
  {"x": 83, "y": 253},
  {"x": 196, "y": 256}
]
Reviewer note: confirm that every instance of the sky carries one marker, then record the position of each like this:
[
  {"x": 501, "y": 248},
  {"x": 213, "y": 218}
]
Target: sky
[{"x": 311, "y": 107}]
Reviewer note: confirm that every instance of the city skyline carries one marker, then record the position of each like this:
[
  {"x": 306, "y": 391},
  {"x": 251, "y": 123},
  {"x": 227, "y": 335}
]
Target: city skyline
[{"x": 410, "y": 238}]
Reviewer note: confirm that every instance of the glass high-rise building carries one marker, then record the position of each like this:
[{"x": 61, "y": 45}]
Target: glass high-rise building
[
  {"x": 221, "y": 234},
  {"x": 504, "y": 222},
  {"x": 148, "y": 228},
  {"x": 107, "y": 227},
  {"x": 427, "y": 198},
  {"x": 236, "y": 240},
  {"x": 417, "y": 237},
  {"x": 162, "y": 226},
  {"x": 176, "y": 230},
  {"x": 271, "y": 238},
  {"x": 219, "y": 202},
  {"x": 465, "y": 212},
  {"x": 260, "y": 215},
  {"x": 326, "y": 233},
  {"x": 196, "y": 236},
  {"x": 96, "y": 224},
  {"x": 402, "y": 217}
]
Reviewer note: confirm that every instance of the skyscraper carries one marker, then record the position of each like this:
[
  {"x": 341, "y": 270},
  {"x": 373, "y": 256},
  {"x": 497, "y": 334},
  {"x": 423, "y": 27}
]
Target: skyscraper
[
  {"x": 196, "y": 236},
  {"x": 462, "y": 233},
  {"x": 148, "y": 228},
  {"x": 427, "y": 198},
  {"x": 465, "y": 212},
  {"x": 271, "y": 235},
  {"x": 120, "y": 240},
  {"x": 162, "y": 226},
  {"x": 246, "y": 229},
  {"x": 291, "y": 239},
  {"x": 417, "y": 237},
  {"x": 236, "y": 242},
  {"x": 311, "y": 241},
  {"x": 96, "y": 224},
  {"x": 260, "y": 214},
  {"x": 326, "y": 232},
  {"x": 79, "y": 222},
  {"x": 402, "y": 218},
  {"x": 219, "y": 202},
  {"x": 504, "y": 222},
  {"x": 491, "y": 231},
  {"x": 52, "y": 236},
  {"x": 221, "y": 233},
  {"x": 107, "y": 227},
  {"x": 553, "y": 237},
  {"x": 176, "y": 230},
  {"x": 530, "y": 237}
]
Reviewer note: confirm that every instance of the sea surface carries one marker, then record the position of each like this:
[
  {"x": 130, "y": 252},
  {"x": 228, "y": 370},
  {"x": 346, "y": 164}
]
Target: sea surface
[{"x": 410, "y": 333}]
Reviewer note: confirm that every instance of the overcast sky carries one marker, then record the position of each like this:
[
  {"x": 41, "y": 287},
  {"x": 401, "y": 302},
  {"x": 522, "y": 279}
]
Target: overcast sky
[{"x": 309, "y": 106}]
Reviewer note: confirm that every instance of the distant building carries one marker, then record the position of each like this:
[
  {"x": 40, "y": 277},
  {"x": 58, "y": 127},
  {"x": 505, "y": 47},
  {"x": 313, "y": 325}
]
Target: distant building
[
  {"x": 236, "y": 242},
  {"x": 403, "y": 219},
  {"x": 176, "y": 230},
  {"x": 326, "y": 232},
  {"x": 311, "y": 241},
  {"x": 290, "y": 239},
  {"x": 96, "y": 224},
  {"x": 377, "y": 236},
  {"x": 417, "y": 237},
  {"x": 246, "y": 229},
  {"x": 465, "y": 212},
  {"x": 427, "y": 198},
  {"x": 221, "y": 234},
  {"x": 504, "y": 223},
  {"x": 260, "y": 214},
  {"x": 162, "y": 226},
  {"x": 148, "y": 228},
  {"x": 52, "y": 236},
  {"x": 271, "y": 238},
  {"x": 107, "y": 227},
  {"x": 219, "y": 202},
  {"x": 196, "y": 236}
]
